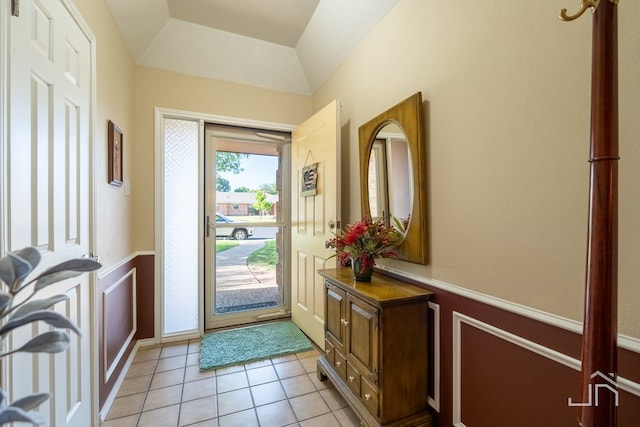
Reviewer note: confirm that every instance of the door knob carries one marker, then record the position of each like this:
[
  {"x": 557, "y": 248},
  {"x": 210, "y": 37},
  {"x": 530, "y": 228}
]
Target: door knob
[{"x": 92, "y": 257}]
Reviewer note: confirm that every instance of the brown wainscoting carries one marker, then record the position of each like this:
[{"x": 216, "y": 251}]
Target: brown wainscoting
[
  {"x": 500, "y": 368},
  {"x": 501, "y": 383},
  {"x": 119, "y": 324},
  {"x": 146, "y": 292},
  {"x": 125, "y": 312}
]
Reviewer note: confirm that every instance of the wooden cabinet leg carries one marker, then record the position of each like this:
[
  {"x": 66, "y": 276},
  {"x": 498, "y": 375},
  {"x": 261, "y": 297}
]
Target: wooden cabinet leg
[{"x": 320, "y": 373}]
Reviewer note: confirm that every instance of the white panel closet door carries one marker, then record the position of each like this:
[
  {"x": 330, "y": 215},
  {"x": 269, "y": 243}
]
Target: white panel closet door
[{"x": 48, "y": 191}]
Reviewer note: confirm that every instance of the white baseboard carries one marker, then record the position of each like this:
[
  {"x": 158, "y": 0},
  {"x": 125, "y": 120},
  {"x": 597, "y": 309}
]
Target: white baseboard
[{"x": 104, "y": 411}]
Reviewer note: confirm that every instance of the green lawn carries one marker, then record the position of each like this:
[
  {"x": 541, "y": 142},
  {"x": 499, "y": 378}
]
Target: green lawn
[
  {"x": 266, "y": 256},
  {"x": 263, "y": 257},
  {"x": 223, "y": 245}
]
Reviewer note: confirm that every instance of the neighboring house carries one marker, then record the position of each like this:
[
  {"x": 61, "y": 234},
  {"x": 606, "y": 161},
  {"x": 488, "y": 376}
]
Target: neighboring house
[{"x": 241, "y": 204}]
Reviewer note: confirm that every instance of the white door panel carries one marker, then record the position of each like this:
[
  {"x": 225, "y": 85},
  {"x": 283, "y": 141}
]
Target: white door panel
[
  {"x": 317, "y": 140},
  {"x": 48, "y": 191}
]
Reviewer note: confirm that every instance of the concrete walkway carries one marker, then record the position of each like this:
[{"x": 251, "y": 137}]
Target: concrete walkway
[{"x": 238, "y": 286}]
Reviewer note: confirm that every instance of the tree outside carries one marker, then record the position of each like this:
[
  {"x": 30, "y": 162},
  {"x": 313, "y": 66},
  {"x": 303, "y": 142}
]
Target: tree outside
[
  {"x": 262, "y": 204},
  {"x": 269, "y": 188},
  {"x": 227, "y": 162}
]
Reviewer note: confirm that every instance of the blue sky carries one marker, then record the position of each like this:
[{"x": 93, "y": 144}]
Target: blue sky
[{"x": 258, "y": 170}]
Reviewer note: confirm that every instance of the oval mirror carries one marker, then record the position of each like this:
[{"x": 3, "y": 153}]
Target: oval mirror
[
  {"x": 390, "y": 177},
  {"x": 393, "y": 174}
]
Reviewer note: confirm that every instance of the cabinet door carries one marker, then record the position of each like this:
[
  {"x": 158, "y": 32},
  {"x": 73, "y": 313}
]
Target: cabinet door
[
  {"x": 335, "y": 316},
  {"x": 362, "y": 334}
]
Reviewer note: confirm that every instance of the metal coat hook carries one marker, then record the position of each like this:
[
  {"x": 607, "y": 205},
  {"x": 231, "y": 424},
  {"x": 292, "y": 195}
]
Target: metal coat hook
[{"x": 585, "y": 4}]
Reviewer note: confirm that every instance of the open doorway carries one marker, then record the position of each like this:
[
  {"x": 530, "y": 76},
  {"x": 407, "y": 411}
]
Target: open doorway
[{"x": 247, "y": 218}]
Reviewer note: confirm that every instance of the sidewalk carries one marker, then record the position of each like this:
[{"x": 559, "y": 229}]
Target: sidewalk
[{"x": 238, "y": 286}]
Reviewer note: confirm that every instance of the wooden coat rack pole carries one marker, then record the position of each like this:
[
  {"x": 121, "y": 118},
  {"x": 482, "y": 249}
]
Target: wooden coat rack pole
[{"x": 599, "y": 342}]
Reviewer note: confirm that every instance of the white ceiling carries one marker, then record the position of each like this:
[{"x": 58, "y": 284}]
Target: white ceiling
[{"x": 287, "y": 45}]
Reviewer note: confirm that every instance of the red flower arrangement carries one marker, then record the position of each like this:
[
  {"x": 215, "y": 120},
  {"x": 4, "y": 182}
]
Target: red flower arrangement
[{"x": 365, "y": 241}]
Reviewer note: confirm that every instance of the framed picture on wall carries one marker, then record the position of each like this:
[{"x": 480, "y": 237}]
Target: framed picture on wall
[{"x": 114, "y": 143}]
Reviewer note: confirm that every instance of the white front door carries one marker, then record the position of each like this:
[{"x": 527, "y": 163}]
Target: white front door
[
  {"x": 47, "y": 190},
  {"x": 316, "y": 142}
]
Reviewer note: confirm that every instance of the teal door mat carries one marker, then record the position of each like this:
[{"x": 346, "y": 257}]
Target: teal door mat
[{"x": 235, "y": 346}]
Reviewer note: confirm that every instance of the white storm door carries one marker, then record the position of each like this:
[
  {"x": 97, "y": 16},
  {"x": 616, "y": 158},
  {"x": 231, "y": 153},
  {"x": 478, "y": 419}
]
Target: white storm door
[
  {"x": 316, "y": 141},
  {"x": 48, "y": 191}
]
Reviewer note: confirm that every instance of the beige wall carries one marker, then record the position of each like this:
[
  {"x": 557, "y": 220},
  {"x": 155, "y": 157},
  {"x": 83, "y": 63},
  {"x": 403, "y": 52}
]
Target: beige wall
[
  {"x": 157, "y": 88},
  {"x": 507, "y": 90},
  {"x": 127, "y": 94},
  {"x": 506, "y": 86},
  {"x": 115, "y": 101}
]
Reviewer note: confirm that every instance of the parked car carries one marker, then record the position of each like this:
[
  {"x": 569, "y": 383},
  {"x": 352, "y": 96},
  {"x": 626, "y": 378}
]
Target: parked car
[{"x": 226, "y": 228}]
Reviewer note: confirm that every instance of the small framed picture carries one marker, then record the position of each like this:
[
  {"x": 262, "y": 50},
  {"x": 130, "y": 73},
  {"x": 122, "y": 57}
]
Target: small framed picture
[{"x": 114, "y": 142}]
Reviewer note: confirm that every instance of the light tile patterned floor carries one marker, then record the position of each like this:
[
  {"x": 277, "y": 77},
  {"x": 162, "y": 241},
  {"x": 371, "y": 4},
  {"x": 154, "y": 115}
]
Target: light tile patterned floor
[{"x": 164, "y": 387}]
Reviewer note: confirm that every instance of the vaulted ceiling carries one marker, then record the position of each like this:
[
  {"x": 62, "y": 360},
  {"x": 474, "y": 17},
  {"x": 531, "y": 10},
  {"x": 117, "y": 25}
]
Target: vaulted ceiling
[{"x": 287, "y": 45}]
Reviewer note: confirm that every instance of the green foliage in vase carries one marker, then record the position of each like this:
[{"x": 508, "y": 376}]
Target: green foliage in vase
[
  {"x": 19, "y": 308},
  {"x": 366, "y": 240}
]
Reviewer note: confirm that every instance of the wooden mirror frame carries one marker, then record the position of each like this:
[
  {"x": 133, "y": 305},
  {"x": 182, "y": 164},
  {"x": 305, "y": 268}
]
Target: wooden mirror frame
[{"x": 408, "y": 115}]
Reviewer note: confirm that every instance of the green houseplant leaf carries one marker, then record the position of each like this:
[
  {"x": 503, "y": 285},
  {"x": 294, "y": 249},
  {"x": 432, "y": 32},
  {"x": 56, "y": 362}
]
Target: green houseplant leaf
[
  {"x": 14, "y": 269},
  {"x": 12, "y": 414},
  {"x": 51, "y": 317},
  {"x": 41, "y": 304},
  {"x": 78, "y": 264},
  {"x": 48, "y": 342},
  {"x": 5, "y": 300},
  {"x": 31, "y": 402},
  {"x": 30, "y": 255},
  {"x": 65, "y": 270}
]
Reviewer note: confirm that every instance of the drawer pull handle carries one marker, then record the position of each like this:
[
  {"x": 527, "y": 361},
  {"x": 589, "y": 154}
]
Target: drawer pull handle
[
  {"x": 338, "y": 364},
  {"x": 351, "y": 378},
  {"x": 367, "y": 396},
  {"x": 346, "y": 323},
  {"x": 327, "y": 351}
]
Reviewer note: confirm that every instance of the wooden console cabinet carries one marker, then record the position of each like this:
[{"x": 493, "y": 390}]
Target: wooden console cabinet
[{"x": 376, "y": 347}]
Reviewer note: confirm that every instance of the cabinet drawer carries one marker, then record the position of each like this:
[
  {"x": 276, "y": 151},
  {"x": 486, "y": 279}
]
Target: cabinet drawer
[
  {"x": 329, "y": 351},
  {"x": 353, "y": 379},
  {"x": 340, "y": 363},
  {"x": 369, "y": 396}
]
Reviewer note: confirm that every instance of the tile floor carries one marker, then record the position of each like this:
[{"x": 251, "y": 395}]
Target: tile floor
[{"x": 164, "y": 387}]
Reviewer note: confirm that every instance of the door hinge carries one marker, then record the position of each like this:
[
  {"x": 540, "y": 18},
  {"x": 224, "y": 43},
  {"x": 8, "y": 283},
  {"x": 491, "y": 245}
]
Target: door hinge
[
  {"x": 15, "y": 7},
  {"x": 334, "y": 225}
]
